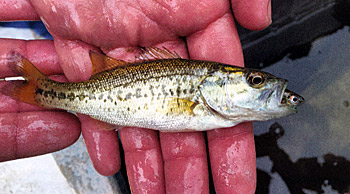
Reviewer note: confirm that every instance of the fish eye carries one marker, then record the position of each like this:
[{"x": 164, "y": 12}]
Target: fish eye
[
  {"x": 255, "y": 79},
  {"x": 293, "y": 99}
]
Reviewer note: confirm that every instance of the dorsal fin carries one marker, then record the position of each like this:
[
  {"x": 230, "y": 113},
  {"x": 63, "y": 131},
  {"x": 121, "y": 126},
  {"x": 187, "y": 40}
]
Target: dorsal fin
[
  {"x": 102, "y": 62},
  {"x": 154, "y": 53}
]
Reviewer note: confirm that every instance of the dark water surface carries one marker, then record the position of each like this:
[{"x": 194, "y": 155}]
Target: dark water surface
[{"x": 312, "y": 155}]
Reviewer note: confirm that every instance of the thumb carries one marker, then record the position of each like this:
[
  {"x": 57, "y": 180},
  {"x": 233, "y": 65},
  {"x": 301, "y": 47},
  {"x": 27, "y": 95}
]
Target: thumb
[{"x": 252, "y": 14}]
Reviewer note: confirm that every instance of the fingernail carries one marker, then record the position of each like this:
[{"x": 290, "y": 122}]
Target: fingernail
[{"x": 269, "y": 11}]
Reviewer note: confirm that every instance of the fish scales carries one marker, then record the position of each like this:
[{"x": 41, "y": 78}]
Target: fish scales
[
  {"x": 132, "y": 95},
  {"x": 171, "y": 94}
]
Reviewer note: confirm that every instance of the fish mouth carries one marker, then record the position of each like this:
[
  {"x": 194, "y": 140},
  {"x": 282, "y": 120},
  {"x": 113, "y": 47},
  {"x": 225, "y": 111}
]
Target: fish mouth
[
  {"x": 285, "y": 97},
  {"x": 279, "y": 95},
  {"x": 278, "y": 92},
  {"x": 274, "y": 96}
]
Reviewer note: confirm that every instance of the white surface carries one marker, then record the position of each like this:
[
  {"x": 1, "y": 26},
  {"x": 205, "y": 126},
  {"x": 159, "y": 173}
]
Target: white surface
[
  {"x": 18, "y": 33},
  {"x": 33, "y": 175}
]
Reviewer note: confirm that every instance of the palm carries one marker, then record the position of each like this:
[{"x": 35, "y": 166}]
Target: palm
[
  {"x": 128, "y": 23},
  {"x": 118, "y": 28}
]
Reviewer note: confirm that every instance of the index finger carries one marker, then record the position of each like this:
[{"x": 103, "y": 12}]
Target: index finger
[{"x": 11, "y": 10}]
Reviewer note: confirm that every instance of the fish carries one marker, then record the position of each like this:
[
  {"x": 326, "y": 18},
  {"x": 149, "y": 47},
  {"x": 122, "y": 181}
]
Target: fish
[{"x": 160, "y": 91}]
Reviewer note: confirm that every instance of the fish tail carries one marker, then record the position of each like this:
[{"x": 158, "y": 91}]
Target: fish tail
[{"x": 22, "y": 90}]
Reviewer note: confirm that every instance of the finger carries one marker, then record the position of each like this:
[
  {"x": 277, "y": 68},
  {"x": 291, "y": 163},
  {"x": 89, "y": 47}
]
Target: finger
[
  {"x": 35, "y": 133},
  {"x": 11, "y": 10},
  {"x": 102, "y": 145},
  {"x": 74, "y": 58},
  {"x": 143, "y": 160},
  {"x": 184, "y": 154},
  {"x": 185, "y": 162},
  {"x": 41, "y": 53},
  {"x": 182, "y": 17},
  {"x": 231, "y": 151},
  {"x": 232, "y": 159},
  {"x": 225, "y": 49},
  {"x": 252, "y": 14},
  {"x": 32, "y": 133}
]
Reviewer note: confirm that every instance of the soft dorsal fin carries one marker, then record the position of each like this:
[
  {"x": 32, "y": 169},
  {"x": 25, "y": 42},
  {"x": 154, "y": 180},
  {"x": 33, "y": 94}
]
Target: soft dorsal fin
[
  {"x": 102, "y": 62},
  {"x": 154, "y": 53}
]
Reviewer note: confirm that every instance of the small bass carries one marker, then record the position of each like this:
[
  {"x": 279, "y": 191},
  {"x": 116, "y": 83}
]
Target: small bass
[{"x": 159, "y": 91}]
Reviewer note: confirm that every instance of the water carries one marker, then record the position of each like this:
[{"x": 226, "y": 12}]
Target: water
[{"x": 322, "y": 125}]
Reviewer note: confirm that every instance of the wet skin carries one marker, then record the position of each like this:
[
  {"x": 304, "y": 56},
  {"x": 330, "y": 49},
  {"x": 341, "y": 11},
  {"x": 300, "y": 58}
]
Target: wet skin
[{"x": 171, "y": 162}]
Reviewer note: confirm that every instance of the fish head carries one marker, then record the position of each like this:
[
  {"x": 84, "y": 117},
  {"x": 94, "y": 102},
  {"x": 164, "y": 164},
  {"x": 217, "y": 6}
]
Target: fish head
[{"x": 245, "y": 94}]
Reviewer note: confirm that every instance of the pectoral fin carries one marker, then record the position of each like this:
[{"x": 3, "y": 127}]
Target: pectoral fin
[{"x": 177, "y": 106}]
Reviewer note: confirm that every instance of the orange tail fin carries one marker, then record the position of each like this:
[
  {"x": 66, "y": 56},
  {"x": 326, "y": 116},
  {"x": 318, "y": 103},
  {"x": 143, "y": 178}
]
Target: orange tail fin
[{"x": 23, "y": 90}]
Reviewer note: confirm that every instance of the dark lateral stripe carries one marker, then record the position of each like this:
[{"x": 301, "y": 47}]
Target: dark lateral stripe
[{"x": 59, "y": 95}]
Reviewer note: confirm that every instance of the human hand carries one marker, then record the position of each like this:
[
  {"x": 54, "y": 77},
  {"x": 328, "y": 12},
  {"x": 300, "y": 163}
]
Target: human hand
[
  {"x": 175, "y": 162},
  {"x": 27, "y": 130}
]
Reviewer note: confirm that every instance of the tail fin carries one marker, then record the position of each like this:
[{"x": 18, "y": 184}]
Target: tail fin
[{"x": 23, "y": 90}]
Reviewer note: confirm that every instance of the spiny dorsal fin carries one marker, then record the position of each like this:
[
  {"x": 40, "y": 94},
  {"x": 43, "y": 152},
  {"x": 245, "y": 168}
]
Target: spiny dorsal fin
[
  {"x": 102, "y": 62},
  {"x": 154, "y": 53}
]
